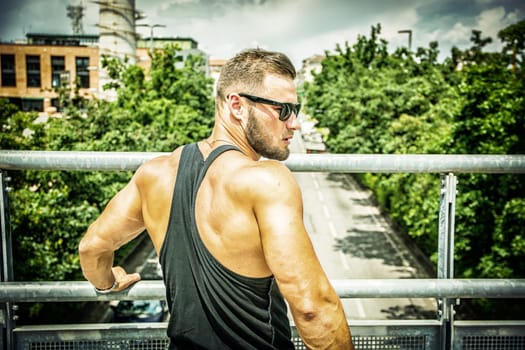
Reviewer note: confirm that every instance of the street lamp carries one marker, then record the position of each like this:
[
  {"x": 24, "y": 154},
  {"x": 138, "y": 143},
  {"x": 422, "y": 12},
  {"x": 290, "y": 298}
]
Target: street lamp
[
  {"x": 409, "y": 32},
  {"x": 151, "y": 26}
]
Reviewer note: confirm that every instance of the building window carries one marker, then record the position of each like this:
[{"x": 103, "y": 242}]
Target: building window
[
  {"x": 8, "y": 70},
  {"x": 82, "y": 64},
  {"x": 32, "y": 105},
  {"x": 58, "y": 65},
  {"x": 33, "y": 71}
]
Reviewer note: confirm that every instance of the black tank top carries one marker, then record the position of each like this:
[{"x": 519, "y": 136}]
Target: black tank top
[{"x": 211, "y": 307}]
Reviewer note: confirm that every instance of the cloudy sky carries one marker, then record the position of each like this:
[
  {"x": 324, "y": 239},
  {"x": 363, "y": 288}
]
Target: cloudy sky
[{"x": 300, "y": 28}]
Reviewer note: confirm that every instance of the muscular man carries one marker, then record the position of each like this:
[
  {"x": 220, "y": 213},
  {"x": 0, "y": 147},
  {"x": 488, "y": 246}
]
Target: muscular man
[{"x": 228, "y": 227}]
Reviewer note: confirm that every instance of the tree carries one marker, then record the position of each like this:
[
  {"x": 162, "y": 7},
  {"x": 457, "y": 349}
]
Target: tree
[
  {"x": 514, "y": 39},
  {"x": 473, "y": 103},
  {"x": 491, "y": 121},
  {"x": 52, "y": 209}
]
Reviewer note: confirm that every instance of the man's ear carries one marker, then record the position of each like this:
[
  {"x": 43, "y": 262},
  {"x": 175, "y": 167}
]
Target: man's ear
[{"x": 235, "y": 106}]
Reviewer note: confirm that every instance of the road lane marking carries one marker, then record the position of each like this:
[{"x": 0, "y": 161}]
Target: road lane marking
[
  {"x": 360, "y": 308},
  {"x": 343, "y": 259},
  {"x": 333, "y": 231},
  {"x": 326, "y": 212},
  {"x": 320, "y": 196},
  {"x": 316, "y": 183}
]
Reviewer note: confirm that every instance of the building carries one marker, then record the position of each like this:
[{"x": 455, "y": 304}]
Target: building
[
  {"x": 311, "y": 65},
  {"x": 188, "y": 46},
  {"x": 31, "y": 72},
  {"x": 215, "y": 66}
]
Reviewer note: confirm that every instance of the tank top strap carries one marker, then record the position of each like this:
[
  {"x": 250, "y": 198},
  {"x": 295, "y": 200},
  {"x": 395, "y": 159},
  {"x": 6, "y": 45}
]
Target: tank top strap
[
  {"x": 220, "y": 150},
  {"x": 211, "y": 158}
]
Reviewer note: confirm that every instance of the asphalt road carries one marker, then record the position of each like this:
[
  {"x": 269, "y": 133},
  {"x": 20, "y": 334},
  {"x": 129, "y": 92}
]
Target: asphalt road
[{"x": 354, "y": 241}]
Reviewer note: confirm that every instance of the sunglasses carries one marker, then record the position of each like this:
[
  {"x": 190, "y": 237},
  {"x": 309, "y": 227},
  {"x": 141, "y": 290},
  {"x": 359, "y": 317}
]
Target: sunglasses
[{"x": 286, "y": 108}]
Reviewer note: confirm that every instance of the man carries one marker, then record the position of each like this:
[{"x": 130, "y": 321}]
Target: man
[{"x": 228, "y": 227}]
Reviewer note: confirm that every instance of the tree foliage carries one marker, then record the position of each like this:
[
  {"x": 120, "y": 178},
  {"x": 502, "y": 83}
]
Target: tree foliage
[
  {"x": 51, "y": 210},
  {"x": 405, "y": 102}
]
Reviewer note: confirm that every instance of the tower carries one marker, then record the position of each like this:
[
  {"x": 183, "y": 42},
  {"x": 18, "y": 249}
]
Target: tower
[{"x": 116, "y": 35}]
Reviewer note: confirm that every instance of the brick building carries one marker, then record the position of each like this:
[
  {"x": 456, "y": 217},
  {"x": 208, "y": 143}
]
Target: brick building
[{"x": 31, "y": 72}]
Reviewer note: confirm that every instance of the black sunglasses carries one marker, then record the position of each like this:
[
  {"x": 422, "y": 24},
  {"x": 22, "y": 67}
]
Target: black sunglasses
[{"x": 286, "y": 108}]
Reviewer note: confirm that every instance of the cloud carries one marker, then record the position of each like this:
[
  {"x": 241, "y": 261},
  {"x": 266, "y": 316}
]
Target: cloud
[
  {"x": 300, "y": 28},
  {"x": 491, "y": 21}
]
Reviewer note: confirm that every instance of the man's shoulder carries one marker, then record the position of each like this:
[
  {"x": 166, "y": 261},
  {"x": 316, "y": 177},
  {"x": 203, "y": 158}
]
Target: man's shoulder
[
  {"x": 160, "y": 166},
  {"x": 266, "y": 175}
]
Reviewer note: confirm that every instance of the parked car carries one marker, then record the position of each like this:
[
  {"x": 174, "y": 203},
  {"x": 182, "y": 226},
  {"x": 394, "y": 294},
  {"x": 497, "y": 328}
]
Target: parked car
[{"x": 140, "y": 311}]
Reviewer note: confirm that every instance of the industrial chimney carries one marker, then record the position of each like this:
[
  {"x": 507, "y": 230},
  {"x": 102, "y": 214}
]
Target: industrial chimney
[{"x": 116, "y": 36}]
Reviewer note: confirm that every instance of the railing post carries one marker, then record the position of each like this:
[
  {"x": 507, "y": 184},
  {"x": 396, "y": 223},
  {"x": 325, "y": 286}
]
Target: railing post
[
  {"x": 445, "y": 268},
  {"x": 6, "y": 268}
]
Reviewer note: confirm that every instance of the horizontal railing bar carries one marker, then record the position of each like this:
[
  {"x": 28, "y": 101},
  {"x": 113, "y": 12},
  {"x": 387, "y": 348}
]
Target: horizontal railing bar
[
  {"x": 351, "y": 288},
  {"x": 73, "y": 160},
  {"x": 152, "y": 326},
  {"x": 348, "y": 163}
]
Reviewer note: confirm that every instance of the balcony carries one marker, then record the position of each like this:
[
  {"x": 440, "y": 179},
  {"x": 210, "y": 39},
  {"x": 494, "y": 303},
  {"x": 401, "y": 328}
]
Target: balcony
[{"x": 444, "y": 332}]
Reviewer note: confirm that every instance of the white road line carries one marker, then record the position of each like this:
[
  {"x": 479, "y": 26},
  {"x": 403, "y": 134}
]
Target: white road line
[
  {"x": 360, "y": 308},
  {"x": 320, "y": 196},
  {"x": 333, "y": 231},
  {"x": 326, "y": 212},
  {"x": 343, "y": 259},
  {"x": 316, "y": 183}
]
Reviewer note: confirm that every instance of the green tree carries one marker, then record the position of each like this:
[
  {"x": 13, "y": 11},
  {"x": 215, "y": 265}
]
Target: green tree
[
  {"x": 405, "y": 102},
  {"x": 373, "y": 102},
  {"x": 52, "y": 209},
  {"x": 492, "y": 121}
]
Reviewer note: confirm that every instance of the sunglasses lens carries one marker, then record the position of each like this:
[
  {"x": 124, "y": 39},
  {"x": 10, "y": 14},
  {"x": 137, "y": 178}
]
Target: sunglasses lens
[{"x": 286, "y": 111}]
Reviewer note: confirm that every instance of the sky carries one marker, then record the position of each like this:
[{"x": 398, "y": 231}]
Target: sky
[{"x": 299, "y": 28}]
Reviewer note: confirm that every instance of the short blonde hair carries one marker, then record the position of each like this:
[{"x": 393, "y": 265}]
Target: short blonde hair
[{"x": 246, "y": 71}]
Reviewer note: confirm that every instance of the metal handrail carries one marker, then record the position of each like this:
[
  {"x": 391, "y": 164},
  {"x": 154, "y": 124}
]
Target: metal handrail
[
  {"x": 445, "y": 287},
  {"x": 353, "y": 288},
  {"x": 347, "y": 163}
]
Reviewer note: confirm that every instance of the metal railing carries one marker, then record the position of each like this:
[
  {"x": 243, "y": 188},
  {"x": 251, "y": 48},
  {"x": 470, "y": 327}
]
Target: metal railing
[{"x": 442, "y": 333}]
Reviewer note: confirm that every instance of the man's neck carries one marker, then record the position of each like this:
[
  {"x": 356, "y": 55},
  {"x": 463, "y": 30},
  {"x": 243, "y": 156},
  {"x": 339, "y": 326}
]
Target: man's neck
[{"x": 231, "y": 134}]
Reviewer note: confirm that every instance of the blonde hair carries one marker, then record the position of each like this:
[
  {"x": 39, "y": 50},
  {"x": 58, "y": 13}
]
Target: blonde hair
[{"x": 246, "y": 71}]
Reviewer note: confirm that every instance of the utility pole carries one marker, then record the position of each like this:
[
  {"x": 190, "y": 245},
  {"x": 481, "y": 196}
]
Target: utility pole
[
  {"x": 409, "y": 32},
  {"x": 151, "y": 26}
]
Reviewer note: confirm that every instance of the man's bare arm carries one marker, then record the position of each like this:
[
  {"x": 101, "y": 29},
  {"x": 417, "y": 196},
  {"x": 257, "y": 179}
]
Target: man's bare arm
[
  {"x": 120, "y": 222},
  {"x": 315, "y": 306}
]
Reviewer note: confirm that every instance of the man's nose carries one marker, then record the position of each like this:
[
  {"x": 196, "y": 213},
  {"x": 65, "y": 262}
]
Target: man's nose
[{"x": 293, "y": 122}]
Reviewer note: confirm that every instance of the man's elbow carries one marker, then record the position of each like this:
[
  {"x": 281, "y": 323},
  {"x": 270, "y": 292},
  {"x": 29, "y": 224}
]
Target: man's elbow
[
  {"x": 92, "y": 245},
  {"x": 86, "y": 244},
  {"x": 313, "y": 313},
  {"x": 84, "y": 248}
]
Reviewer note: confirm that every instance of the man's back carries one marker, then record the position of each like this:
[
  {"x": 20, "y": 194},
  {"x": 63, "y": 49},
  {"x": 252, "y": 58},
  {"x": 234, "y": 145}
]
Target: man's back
[
  {"x": 224, "y": 210},
  {"x": 212, "y": 307}
]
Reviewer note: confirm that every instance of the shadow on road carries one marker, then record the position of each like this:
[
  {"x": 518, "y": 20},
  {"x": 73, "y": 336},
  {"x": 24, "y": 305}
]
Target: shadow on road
[
  {"x": 367, "y": 245},
  {"x": 408, "y": 312}
]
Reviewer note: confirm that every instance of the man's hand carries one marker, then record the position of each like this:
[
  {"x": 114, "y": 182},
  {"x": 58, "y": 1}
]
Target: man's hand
[{"x": 124, "y": 280}]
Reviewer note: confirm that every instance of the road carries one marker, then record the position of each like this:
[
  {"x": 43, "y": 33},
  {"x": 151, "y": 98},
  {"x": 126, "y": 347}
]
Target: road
[{"x": 354, "y": 241}]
